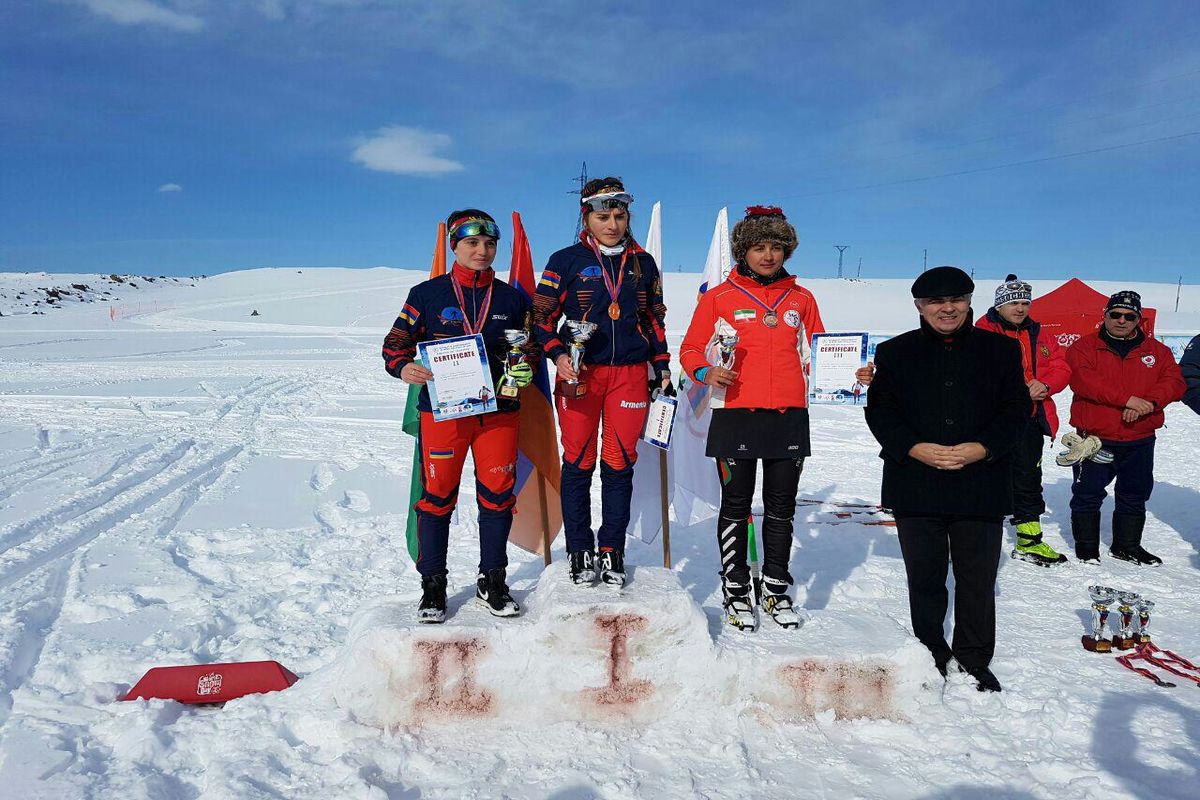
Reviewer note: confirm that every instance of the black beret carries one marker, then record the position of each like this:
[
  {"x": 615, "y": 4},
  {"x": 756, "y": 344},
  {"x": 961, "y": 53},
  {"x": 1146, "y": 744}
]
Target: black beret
[{"x": 942, "y": 282}]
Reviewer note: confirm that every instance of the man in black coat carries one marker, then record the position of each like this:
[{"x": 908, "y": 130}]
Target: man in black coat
[
  {"x": 1189, "y": 364},
  {"x": 947, "y": 404}
]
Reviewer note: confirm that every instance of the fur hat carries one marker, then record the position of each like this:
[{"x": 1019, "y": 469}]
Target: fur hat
[
  {"x": 1013, "y": 291},
  {"x": 763, "y": 224},
  {"x": 942, "y": 282},
  {"x": 1125, "y": 299}
]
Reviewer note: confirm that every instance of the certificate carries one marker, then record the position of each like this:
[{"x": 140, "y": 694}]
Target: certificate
[
  {"x": 660, "y": 422},
  {"x": 462, "y": 383},
  {"x": 835, "y": 359}
]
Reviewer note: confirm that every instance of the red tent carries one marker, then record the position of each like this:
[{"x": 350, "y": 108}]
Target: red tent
[{"x": 1075, "y": 309}]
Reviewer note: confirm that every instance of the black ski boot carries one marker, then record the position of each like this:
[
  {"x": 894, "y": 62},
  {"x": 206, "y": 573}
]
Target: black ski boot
[
  {"x": 1085, "y": 529},
  {"x": 433, "y": 599},
  {"x": 583, "y": 567},
  {"x": 1127, "y": 540},
  {"x": 612, "y": 567},
  {"x": 491, "y": 592}
]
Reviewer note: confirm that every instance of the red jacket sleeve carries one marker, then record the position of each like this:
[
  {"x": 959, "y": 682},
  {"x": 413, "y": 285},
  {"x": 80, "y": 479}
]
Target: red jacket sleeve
[
  {"x": 693, "y": 352},
  {"x": 1056, "y": 372},
  {"x": 1170, "y": 385}
]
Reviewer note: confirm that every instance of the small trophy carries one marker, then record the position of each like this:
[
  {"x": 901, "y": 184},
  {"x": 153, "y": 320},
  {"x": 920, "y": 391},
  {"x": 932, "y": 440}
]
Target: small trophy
[
  {"x": 1100, "y": 641},
  {"x": 580, "y": 332},
  {"x": 726, "y": 347},
  {"x": 1124, "y": 639},
  {"x": 1144, "y": 608},
  {"x": 517, "y": 338}
]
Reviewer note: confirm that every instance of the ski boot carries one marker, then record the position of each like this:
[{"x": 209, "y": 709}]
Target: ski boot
[
  {"x": 739, "y": 610},
  {"x": 612, "y": 567},
  {"x": 433, "y": 600},
  {"x": 583, "y": 567},
  {"x": 1031, "y": 548},
  {"x": 1085, "y": 529},
  {"x": 491, "y": 592},
  {"x": 1127, "y": 540},
  {"x": 773, "y": 597}
]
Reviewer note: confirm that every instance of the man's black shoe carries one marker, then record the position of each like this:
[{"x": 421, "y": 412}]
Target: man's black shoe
[{"x": 985, "y": 680}]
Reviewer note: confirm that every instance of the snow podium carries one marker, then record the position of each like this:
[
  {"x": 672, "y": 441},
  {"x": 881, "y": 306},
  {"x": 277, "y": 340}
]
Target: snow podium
[{"x": 1133, "y": 633}]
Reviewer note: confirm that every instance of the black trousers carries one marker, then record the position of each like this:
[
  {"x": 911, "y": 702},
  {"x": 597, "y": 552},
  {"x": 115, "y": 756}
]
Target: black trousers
[
  {"x": 972, "y": 545},
  {"x": 1028, "y": 502},
  {"x": 1132, "y": 466},
  {"x": 781, "y": 478}
]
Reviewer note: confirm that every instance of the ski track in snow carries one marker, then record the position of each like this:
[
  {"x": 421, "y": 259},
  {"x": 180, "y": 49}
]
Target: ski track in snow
[{"x": 172, "y": 494}]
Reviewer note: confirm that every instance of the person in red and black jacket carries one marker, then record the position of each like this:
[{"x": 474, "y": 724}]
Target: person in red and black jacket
[
  {"x": 1044, "y": 363},
  {"x": 469, "y": 299},
  {"x": 760, "y": 406},
  {"x": 1122, "y": 380},
  {"x": 608, "y": 280}
]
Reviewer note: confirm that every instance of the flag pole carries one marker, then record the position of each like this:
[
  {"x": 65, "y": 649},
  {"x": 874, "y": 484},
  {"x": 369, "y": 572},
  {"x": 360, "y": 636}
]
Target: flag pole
[
  {"x": 666, "y": 520},
  {"x": 541, "y": 484}
]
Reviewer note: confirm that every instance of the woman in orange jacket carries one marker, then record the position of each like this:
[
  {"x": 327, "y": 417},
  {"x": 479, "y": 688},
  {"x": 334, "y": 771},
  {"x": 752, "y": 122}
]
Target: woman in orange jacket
[{"x": 760, "y": 405}]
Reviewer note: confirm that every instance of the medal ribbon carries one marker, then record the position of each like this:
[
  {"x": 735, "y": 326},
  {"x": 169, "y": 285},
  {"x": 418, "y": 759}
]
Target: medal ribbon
[
  {"x": 770, "y": 309},
  {"x": 481, "y": 317},
  {"x": 614, "y": 290}
]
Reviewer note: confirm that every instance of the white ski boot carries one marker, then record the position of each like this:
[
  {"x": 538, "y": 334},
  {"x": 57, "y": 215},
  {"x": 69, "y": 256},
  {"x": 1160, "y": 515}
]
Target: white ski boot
[
  {"x": 738, "y": 605},
  {"x": 774, "y": 599}
]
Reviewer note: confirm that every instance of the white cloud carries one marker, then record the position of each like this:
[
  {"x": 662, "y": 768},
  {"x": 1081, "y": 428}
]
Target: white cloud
[
  {"x": 144, "y": 12},
  {"x": 405, "y": 151},
  {"x": 170, "y": 187}
]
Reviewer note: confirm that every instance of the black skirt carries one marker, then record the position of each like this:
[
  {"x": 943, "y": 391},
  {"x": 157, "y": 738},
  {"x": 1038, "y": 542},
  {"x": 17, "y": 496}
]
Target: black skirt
[{"x": 758, "y": 433}]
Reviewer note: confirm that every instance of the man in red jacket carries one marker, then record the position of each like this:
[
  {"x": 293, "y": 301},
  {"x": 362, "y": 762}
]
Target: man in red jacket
[
  {"x": 1044, "y": 362},
  {"x": 1122, "y": 380}
]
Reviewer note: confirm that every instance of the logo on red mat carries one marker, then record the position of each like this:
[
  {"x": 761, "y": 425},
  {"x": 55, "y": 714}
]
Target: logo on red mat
[
  {"x": 209, "y": 684},
  {"x": 1149, "y": 360}
]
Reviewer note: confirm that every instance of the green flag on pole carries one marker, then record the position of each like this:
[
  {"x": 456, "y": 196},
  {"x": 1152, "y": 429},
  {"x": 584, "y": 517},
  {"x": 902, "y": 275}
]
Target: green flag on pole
[{"x": 412, "y": 417}]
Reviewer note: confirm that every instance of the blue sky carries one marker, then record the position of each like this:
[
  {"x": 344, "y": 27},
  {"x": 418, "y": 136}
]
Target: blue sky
[{"x": 200, "y": 136}]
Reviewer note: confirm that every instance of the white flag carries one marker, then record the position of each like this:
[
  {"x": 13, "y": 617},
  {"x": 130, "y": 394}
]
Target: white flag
[
  {"x": 697, "y": 491},
  {"x": 645, "y": 517}
]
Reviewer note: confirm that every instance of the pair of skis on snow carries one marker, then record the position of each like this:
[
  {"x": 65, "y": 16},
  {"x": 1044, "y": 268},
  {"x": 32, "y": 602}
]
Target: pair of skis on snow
[
  {"x": 842, "y": 513},
  {"x": 1133, "y": 633}
]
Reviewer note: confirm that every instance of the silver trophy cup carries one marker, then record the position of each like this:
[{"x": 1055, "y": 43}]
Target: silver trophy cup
[
  {"x": 579, "y": 332},
  {"x": 1100, "y": 640},
  {"x": 1124, "y": 640},
  {"x": 726, "y": 350},
  {"x": 1144, "y": 608},
  {"x": 517, "y": 338}
]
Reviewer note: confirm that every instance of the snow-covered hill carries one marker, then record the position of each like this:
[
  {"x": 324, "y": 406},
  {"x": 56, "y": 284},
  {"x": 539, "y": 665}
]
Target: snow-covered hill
[{"x": 186, "y": 481}]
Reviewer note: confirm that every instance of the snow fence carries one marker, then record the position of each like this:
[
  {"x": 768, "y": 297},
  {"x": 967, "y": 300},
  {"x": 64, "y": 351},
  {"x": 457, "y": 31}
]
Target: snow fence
[{"x": 636, "y": 656}]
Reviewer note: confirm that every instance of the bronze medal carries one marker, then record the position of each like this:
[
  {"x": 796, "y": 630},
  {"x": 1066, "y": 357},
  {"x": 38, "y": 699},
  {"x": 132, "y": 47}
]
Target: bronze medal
[
  {"x": 614, "y": 311},
  {"x": 770, "y": 320}
]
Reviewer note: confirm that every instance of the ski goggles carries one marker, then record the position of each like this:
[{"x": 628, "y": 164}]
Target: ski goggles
[
  {"x": 473, "y": 226},
  {"x": 604, "y": 201}
]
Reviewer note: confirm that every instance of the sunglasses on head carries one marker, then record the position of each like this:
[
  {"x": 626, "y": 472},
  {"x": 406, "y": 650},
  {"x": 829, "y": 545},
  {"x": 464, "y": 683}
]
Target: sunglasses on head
[{"x": 1127, "y": 316}]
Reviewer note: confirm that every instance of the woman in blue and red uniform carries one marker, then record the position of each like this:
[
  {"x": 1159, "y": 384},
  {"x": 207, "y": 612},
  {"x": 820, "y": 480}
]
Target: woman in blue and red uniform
[
  {"x": 608, "y": 280},
  {"x": 470, "y": 299}
]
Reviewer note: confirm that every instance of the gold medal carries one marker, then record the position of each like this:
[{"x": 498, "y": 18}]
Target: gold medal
[
  {"x": 614, "y": 311},
  {"x": 770, "y": 320}
]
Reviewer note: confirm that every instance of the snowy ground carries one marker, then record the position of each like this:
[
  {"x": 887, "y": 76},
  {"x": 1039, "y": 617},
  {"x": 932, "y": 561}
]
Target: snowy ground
[{"x": 187, "y": 483}]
